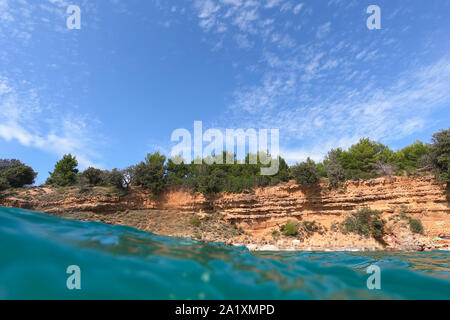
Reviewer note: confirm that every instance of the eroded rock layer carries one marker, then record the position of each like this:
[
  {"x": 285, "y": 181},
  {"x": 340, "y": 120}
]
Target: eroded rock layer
[{"x": 261, "y": 212}]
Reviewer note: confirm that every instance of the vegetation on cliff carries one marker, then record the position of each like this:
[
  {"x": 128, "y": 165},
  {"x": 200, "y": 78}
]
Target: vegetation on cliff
[
  {"x": 15, "y": 174},
  {"x": 65, "y": 172},
  {"x": 363, "y": 160},
  {"x": 440, "y": 155},
  {"x": 365, "y": 222},
  {"x": 415, "y": 225}
]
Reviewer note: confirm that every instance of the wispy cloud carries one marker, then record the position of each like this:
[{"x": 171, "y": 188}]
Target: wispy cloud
[
  {"x": 22, "y": 120},
  {"x": 341, "y": 118},
  {"x": 322, "y": 30},
  {"x": 325, "y": 88}
]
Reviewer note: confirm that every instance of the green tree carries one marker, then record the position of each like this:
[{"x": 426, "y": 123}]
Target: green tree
[
  {"x": 440, "y": 154},
  {"x": 177, "y": 172},
  {"x": 360, "y": 159},
  {"x": 409, "y": 157},
  {"x": 19, "y": 176},
  {"x": 16, "y": 174},
  {"x": 305, "y": 173},
  {"x": 65, "y": 172},
  {"x": 150, "y": 173}
]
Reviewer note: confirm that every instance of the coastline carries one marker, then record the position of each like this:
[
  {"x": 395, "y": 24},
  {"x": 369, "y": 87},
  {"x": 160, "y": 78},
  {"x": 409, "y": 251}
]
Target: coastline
[
  {"x": 286, "y": 245},
  {"x": 255, "y": 220},
  {"x": 227, "y": 235}
]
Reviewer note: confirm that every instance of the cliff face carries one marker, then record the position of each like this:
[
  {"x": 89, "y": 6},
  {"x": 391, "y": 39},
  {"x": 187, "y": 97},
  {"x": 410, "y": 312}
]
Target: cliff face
[
  {"x": 263, "y": 211},
  {"x": 421, "y": 196}
]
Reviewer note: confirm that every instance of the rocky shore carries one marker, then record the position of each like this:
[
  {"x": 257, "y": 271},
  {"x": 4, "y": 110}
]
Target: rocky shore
[{"x": 255, "y": 219}]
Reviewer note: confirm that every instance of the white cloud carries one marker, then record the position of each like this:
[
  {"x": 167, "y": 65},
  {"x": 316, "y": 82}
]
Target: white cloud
[
  {"x": 322, "y": 30},
  {"x": 327, "y": 88},
  {"x": 243, "y": 41},
  {"x": 340, "y": 117},
  {"x": 298, "y": 8},
  {"x": 21, "y": 120},
  {"x": 272, "y": 3}
]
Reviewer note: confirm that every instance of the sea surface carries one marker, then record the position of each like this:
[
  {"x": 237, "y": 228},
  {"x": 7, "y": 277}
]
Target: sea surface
[{"x": 117, "y": 262}]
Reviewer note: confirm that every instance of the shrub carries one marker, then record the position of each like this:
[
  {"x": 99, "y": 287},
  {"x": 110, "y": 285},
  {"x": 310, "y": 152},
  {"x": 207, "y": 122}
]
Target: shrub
[
  {"x": 305, "y": 173},
  {"x": 94, "y": 177},
  {"x": 195, "y": 221},
  {"x": 334, "y": 227},
  {"x": 18, "y": 175},
  {"x": 385, "y": 169},
  {"x": 415, "y": 225},
  {"x": 290, "y": 229},
  {"x": 65, "y": 172},
  {"x": 3, "y": 183},
  {"x": 116, "y": 179},
  {"x": 128, "y": 176},
  {"x": 365, "y": 222},
  {"x": 275, "y": 234},
  {"x": 310, "y": 226}
]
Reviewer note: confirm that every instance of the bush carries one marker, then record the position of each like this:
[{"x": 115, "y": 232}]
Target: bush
[
  {"x": 385, "y": 169},
  {"x": 65, "y": 172},
  {"x": 415, "y": 225},
  {"x": 195, "y": 221},
  {"x": 289, "y": 229},
  {"x": 116, "y": 179},
  {"x": 305, "y": 173},
  {"x": 128, "y": 176},
  {"x": 18, "y": 176},
  {"x": 275, "y": 234},
  {"x": 310, "y": 226},
  {"x": 365, "y": 222},
  {"x": 94, "y": 177},
  {"x": 3, "y": 184}
]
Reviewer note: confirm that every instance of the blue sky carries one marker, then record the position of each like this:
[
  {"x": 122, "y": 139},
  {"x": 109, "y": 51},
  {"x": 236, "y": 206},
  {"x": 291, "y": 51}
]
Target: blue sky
[{"x": 139, "y": 69}]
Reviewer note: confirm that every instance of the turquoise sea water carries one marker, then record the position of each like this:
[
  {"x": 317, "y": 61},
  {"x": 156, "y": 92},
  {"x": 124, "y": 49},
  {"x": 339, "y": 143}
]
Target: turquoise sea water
[{"x": 123, "y": 263}]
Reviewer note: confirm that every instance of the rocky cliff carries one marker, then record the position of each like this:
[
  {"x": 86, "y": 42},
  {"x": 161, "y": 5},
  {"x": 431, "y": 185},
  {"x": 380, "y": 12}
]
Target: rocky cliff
[{"x": 261, "y": 213}]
